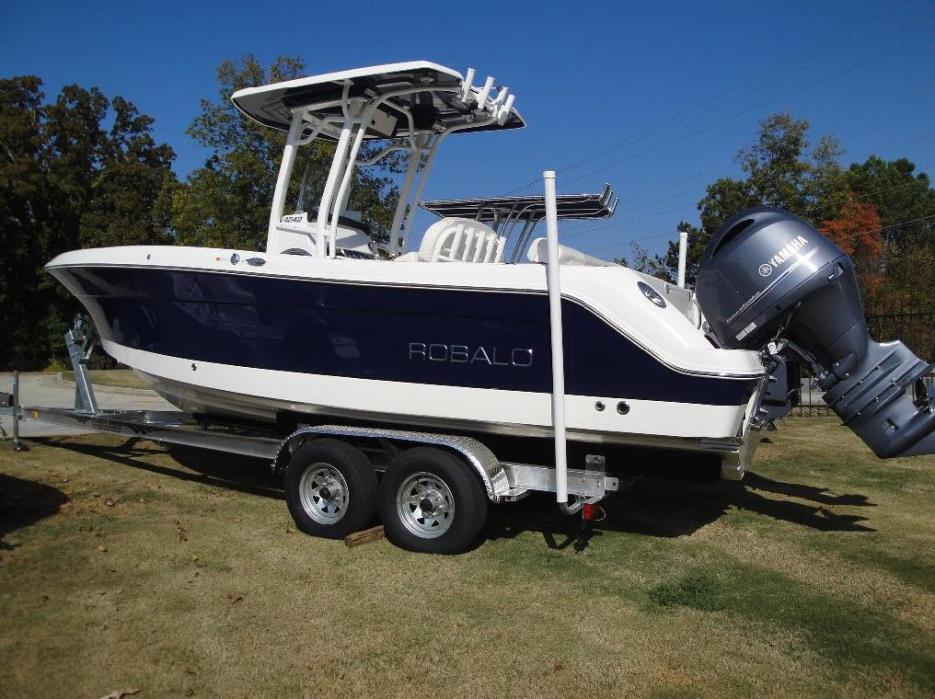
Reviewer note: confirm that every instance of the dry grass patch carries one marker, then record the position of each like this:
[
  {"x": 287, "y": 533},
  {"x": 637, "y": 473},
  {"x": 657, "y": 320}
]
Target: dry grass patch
[{"x": 180, "y": 573}]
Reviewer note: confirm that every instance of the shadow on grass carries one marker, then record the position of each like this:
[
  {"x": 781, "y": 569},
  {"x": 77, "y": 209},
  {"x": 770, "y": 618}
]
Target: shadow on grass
[
  {"x": 652, "y": 507},
  {"x": 670, "y": 508},
  {"x": 231, "y": 471},
  {"x": 23, "y": 503},
  {"x": 887, "y": 651}
]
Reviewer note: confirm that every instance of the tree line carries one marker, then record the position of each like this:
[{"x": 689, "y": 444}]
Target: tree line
[
  {"x": 85, "y": 170},
  {"x": 880, "y": 212}
]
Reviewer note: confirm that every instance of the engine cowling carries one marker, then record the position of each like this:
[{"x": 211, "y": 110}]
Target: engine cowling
[{"x": 768, "y": 276}]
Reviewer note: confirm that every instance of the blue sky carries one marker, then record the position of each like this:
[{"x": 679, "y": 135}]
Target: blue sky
[{"x": 653, "y": 97}]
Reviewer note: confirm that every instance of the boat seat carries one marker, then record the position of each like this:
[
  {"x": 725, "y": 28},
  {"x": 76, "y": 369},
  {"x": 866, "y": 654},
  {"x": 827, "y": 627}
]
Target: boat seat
[
  {"x": 461, "y": 240},
  {"x": 538, "y": 253}
]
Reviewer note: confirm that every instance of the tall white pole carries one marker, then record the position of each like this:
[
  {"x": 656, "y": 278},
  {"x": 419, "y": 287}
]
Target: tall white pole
[
  {"x": 683, "y": 255},
  {"x": 555, "y": 326}
]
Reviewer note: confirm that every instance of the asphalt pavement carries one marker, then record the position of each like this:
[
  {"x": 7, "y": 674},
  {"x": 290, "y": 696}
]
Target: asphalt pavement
[{"x": 51, "y": 391}]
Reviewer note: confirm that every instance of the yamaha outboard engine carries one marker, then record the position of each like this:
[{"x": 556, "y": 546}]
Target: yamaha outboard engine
[{"x": 769, "y": 281}]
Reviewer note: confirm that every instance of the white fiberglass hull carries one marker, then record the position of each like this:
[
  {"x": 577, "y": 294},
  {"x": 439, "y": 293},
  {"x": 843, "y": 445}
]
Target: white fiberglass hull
[{"x": 457, "y": 347}]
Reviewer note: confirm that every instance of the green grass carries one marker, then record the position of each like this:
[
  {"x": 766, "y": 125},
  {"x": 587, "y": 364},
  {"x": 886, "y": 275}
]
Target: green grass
[
  {"x": 699, "y": 590},
  {"x": 125, "y": 566}
]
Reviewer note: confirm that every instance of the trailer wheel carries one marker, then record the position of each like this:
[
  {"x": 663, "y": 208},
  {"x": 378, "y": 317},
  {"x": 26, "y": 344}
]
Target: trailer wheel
[
  {"x": 431, "y": 502},
  {"x": 331, "y": 489}
]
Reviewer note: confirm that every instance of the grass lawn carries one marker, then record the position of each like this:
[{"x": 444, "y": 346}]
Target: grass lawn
[
  {"x": 122, "y": 378},
  {"x": 126, "y": 566}
]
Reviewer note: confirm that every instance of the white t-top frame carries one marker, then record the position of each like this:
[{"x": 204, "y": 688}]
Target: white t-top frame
[{"x": 365, "y": 110}]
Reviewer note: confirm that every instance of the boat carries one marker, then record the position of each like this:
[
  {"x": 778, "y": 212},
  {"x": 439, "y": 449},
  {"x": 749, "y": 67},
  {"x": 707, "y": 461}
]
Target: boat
[{"x": 450, "y": 332}]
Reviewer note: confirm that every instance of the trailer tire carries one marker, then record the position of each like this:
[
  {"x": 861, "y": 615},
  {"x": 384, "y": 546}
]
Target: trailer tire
[
  {"x": 331, "y": 489},
  {"x": 431, "y": 502}
]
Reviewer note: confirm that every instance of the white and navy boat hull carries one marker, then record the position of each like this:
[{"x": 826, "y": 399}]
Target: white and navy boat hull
[{"x": 293, "y": 338}]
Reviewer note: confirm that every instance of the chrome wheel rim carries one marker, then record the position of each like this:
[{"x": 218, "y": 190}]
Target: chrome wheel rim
[
  {"x": 324, "y": 493},
  {"x": 425, "y": 505}
]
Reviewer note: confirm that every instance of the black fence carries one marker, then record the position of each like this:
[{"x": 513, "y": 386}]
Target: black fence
[{"x": 915, "y": 328}]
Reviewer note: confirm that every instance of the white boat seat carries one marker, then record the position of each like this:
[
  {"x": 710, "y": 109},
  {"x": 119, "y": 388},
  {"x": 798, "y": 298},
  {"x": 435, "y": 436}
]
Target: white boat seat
[
  {"x": 538, "y": 252},
  {"x": 461, "y": 240}
]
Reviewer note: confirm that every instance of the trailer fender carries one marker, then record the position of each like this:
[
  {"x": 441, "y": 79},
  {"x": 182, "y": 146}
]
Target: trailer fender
[{"x": 476, "y": 454}]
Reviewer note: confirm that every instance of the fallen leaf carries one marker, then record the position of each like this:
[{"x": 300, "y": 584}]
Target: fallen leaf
[
  {"x": 121, "y": 693},
  {"x": 234, "y": 598}
]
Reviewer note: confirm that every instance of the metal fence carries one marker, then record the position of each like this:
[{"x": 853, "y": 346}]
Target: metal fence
[{"x": 915, "y": 328}]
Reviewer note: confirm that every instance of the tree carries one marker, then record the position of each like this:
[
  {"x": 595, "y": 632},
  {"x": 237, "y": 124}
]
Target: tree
[
  {"x": 646, "y": 262},
  {"x": 226, "y": 203},
  {"x": 856, "y": 230},
  {"x": 905, "y": 202},
  {"x": 67, "y": 180},
  {"x": 780, "y": 170},
  {"x": 127, "y": 203},
  {"x": 22, "y": 210}
]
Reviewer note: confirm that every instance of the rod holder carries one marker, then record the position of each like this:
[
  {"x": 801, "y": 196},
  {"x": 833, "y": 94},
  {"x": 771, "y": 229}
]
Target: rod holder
[
  {"x": 467, "y": 85},
  {"x": 484, "y": 93},
  {"x": 683, "y": 257},
  {"x": 505, "y": 110}
]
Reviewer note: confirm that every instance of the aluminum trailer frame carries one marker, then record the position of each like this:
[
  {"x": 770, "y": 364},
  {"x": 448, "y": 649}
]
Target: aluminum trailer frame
[{"x": 503, "y": 481}]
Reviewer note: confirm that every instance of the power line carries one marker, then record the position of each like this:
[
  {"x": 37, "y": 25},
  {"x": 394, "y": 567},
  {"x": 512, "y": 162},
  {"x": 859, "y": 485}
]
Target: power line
[
  {"x": 686, "y": 113},
  {"x": 625, "y": 204},
  {"x": 759, "y": 105},
  {"x": 896, "y": 225},
  {"x": 659, "y": 212},
  {"x": 899, "y": 224}
]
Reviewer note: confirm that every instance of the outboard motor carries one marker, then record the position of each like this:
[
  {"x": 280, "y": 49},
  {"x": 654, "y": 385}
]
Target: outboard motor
[{"x": 769, "y": 281}]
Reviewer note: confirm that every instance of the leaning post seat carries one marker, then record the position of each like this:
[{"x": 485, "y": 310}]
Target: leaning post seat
[
  {"x": 461, "y": 240},
  {"x": 538, "y": 253}
]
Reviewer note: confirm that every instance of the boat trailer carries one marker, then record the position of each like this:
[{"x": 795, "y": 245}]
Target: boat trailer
[
  {"x": 502, "y": 481},
  {"x": 334, "y": 474}
]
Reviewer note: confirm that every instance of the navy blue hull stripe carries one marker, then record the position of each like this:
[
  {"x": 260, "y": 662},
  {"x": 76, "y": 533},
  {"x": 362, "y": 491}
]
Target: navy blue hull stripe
[{"x": 481, "y": 339}]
